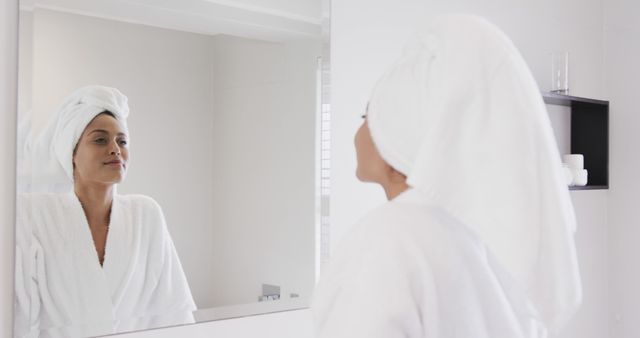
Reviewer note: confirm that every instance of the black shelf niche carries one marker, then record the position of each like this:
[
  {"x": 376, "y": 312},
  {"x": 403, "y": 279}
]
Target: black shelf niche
[{"x": 589, "y": 135}]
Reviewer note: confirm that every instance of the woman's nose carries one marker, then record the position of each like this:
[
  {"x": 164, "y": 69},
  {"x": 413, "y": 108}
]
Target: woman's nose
[{"x": 115, "y": 150}]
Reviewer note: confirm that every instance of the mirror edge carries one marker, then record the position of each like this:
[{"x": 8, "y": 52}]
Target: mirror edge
[{"x": 8, "y": 126}]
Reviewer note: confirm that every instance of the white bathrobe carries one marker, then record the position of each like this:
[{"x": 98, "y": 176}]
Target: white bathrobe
[
  {"x": 63, "y": 291},
  {"x": 409, "y": 270}
]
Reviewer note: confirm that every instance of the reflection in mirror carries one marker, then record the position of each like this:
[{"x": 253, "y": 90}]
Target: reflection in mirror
[{"x": 168, "y": 164}]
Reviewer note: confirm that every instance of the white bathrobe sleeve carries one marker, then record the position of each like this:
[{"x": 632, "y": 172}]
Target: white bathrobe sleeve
[
  {"x": 172, "y": 286},
  {"x": 25, "y": 324},
  {"x": 26, "y": 302},
  {"x": 373, "y": 288},
  {"x": 171, "y": 300}
]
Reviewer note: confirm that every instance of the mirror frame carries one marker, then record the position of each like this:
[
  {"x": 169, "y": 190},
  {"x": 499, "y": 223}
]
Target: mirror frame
[{"x": 8, "y": 130}]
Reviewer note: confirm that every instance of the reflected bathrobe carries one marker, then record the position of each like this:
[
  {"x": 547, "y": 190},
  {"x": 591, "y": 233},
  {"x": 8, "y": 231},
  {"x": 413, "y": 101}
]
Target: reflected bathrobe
[
  {"x": 409, "y": 270},
  {"x": 63, "y": 291}
]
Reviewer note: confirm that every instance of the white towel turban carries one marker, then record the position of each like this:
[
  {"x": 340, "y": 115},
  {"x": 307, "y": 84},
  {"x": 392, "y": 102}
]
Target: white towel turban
[
  {"x": 51, "y": 156},
  {"x": 461, "y": 116}
]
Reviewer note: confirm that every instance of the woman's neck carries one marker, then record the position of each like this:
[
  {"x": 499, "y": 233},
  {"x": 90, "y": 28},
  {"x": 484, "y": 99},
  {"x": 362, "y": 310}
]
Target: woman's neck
[
  {"x": 96, "y": 201},
  {"x": 393, "y": 189}
]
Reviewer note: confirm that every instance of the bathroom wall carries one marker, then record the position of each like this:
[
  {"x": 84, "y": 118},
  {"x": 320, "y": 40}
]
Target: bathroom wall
[
  {"x": 263, "y": 141},
  {"x": 622, "y": 71},
  {"x": 368, "y": 36}
]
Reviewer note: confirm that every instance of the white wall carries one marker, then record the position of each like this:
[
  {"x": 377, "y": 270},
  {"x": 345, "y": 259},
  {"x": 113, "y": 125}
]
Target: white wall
[
  {"x": 367, "y": 36},
  {"x": 264, "y": 139},
  {"x": 622, "y": 71}
]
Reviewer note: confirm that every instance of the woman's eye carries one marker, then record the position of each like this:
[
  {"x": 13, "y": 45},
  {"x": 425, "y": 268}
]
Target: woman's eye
[
  {"x": 123, "y": 142},
  {"x": 100, "y": 140}
]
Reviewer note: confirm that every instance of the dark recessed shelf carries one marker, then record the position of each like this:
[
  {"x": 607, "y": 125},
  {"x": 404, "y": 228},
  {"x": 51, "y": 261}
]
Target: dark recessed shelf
[
  {"x": 590, "y": 187},
  {"x": 567, "y": 100},
  {"x": 589, "y": 135}
]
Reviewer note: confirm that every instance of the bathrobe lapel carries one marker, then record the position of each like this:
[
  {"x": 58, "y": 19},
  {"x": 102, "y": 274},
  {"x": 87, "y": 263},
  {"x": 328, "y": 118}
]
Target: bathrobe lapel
[
  {"x": 121, "y": 254},
  {"x": 122, "y": 250},
  {"x": 92, "y": 285}
]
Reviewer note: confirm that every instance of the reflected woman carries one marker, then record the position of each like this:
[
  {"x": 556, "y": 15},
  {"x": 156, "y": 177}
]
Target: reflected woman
[{"x": 91, "y": 261}]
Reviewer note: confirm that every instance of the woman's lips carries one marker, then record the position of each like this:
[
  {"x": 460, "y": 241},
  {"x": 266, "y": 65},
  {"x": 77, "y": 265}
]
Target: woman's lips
[{"x": 116, "y": 164}]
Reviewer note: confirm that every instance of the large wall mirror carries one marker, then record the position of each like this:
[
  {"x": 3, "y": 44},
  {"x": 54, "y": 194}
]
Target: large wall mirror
[{"x": 196, "y": 128}]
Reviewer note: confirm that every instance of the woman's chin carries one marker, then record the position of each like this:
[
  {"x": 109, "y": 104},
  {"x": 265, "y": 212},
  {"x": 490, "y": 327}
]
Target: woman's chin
[
  {"x": 116, "y": 179},
  {"x": 362, "y": 177}
]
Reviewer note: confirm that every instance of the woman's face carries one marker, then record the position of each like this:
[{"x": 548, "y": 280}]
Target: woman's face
[
  {"x": 371, "y": 167},
  {"x": 102, "y": 153}
]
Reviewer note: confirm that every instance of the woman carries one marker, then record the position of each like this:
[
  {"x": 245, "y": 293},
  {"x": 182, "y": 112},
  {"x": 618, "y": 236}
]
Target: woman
[
  {"x": 477, "y": 237},
  {"x": 91, "y": 261}
]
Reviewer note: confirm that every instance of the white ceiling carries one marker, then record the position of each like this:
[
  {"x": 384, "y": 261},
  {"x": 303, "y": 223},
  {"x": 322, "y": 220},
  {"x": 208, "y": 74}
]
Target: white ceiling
[
  {"x": 274, "y": 20},
  {"x": 302, "y": 8}
]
